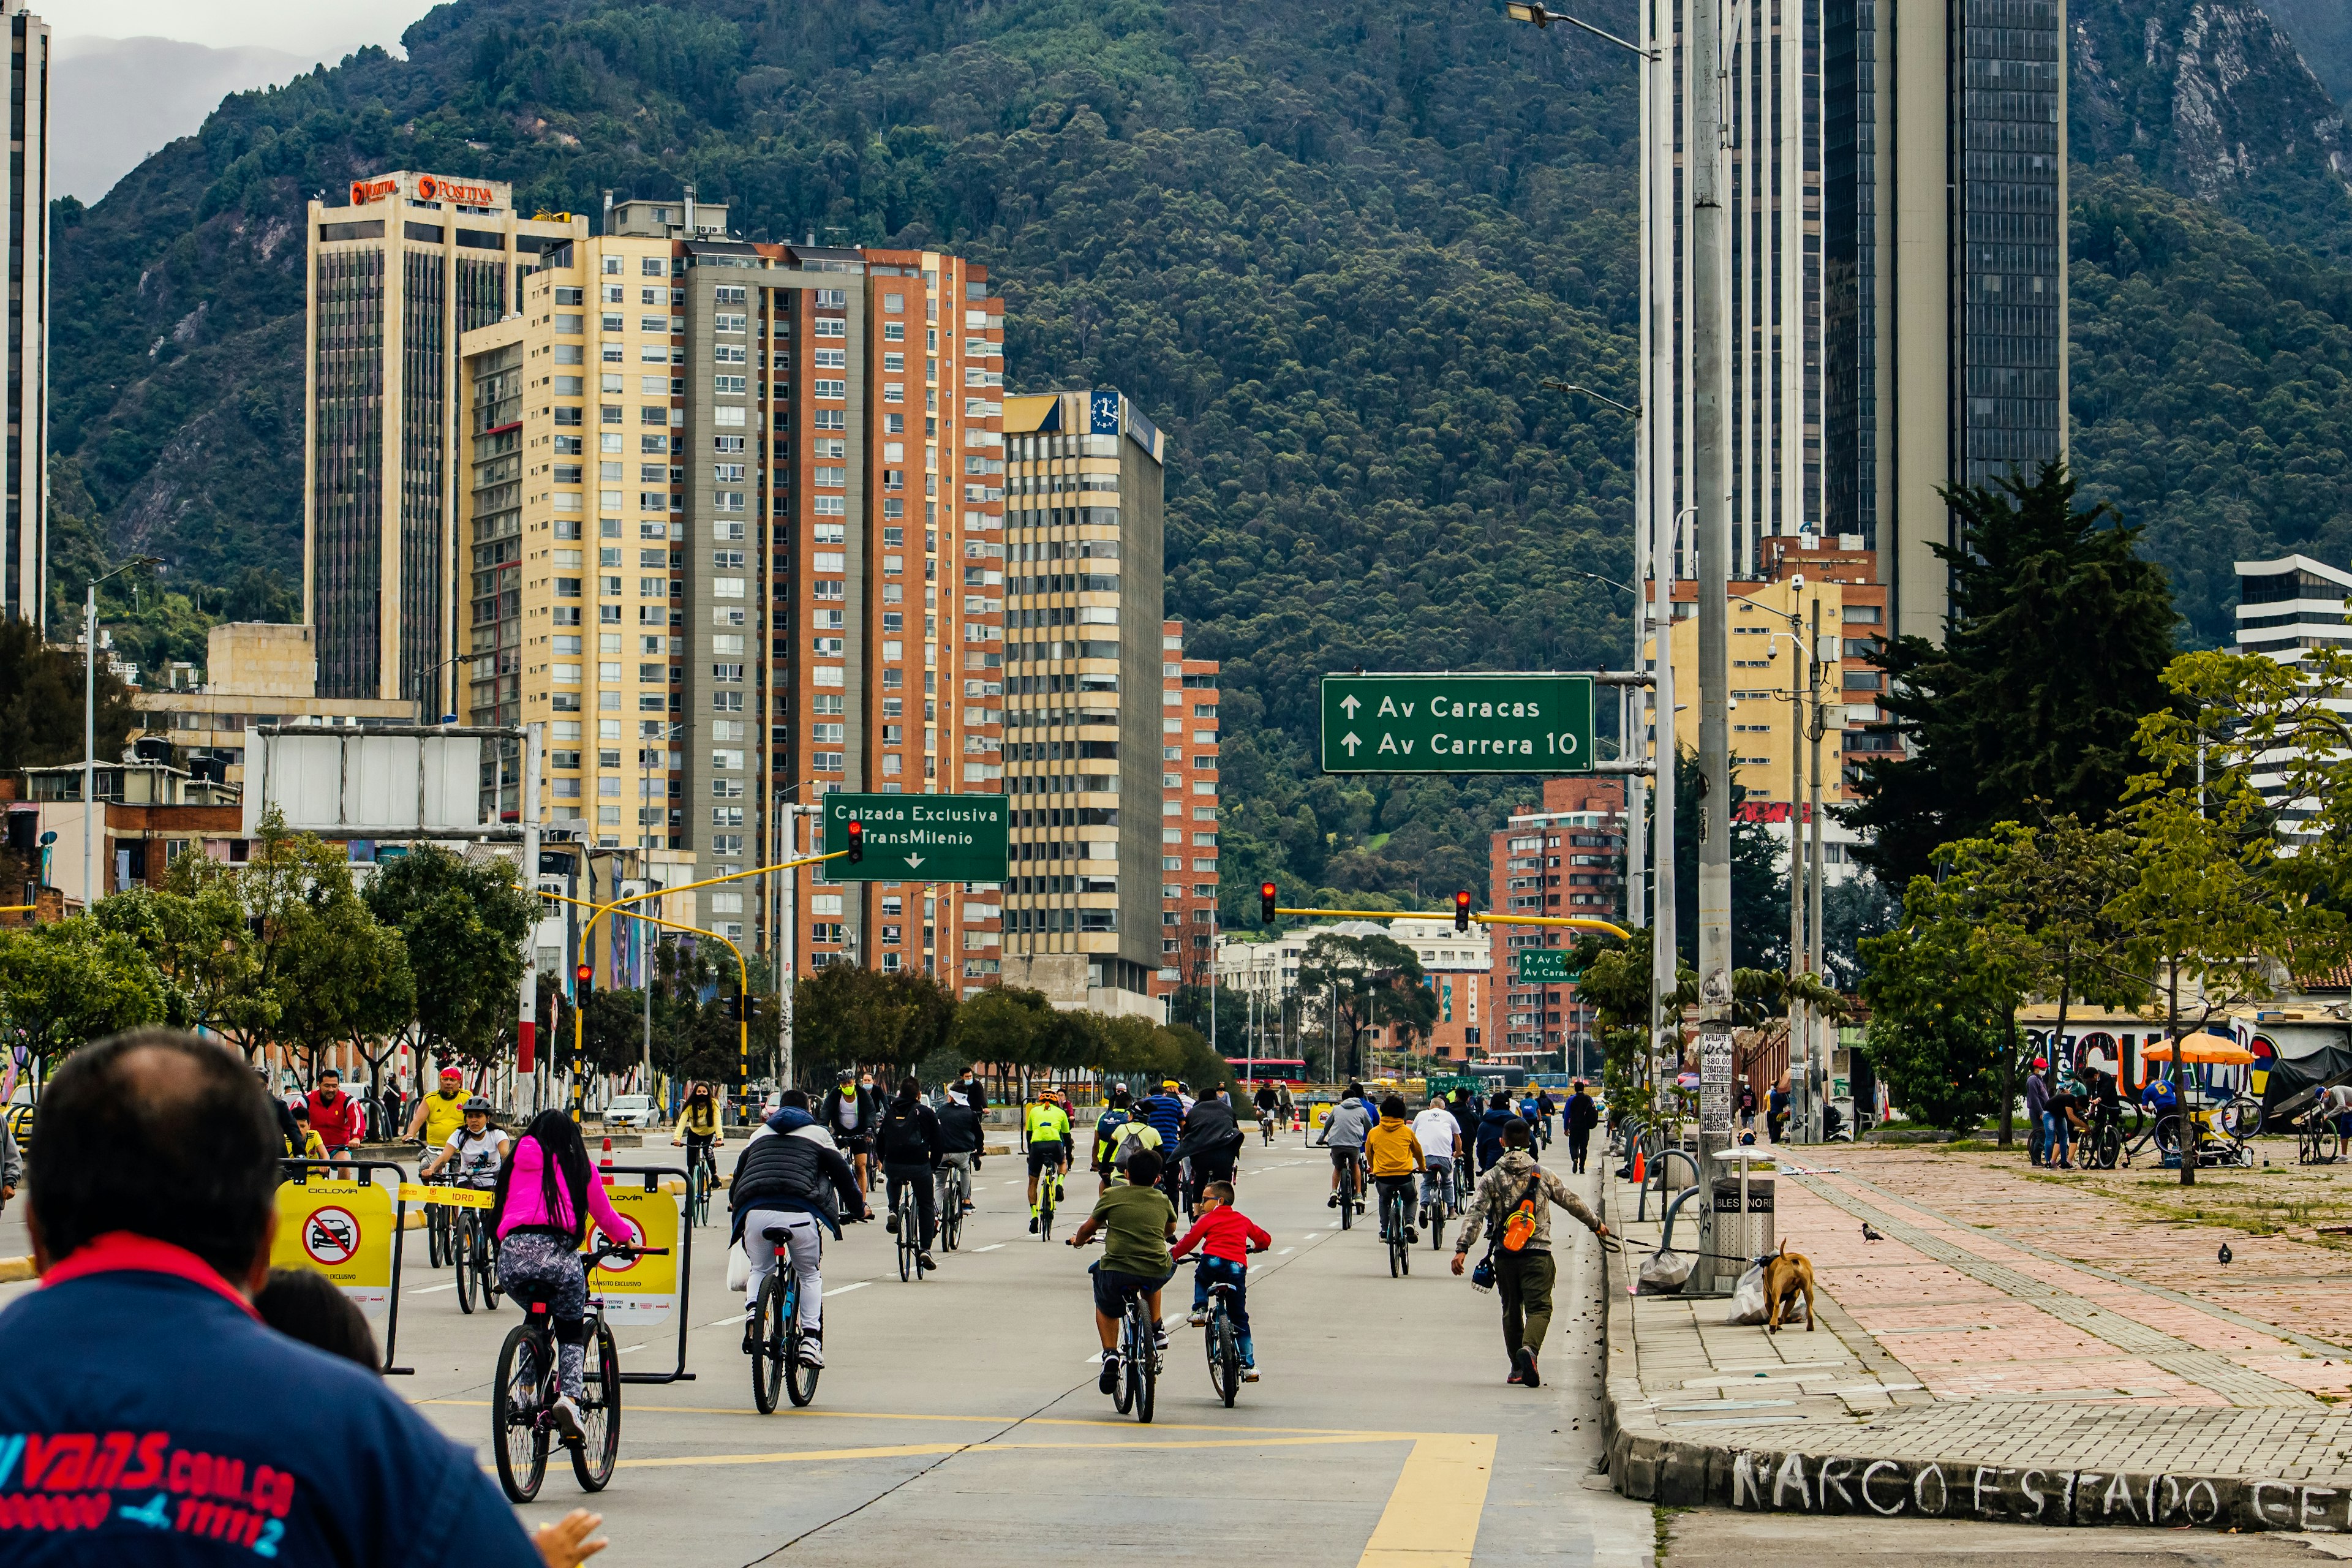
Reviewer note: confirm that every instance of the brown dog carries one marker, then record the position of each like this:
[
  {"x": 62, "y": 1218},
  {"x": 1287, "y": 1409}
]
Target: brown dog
[{"x": 1785, "y": 1274}]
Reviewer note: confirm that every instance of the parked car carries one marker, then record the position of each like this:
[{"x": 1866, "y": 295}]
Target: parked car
[
  {"x": 634, "y": 1111},
  {"x": 20, "y": 1125}
]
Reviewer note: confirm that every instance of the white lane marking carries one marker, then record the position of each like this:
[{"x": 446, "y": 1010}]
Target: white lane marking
[
  {"x": 1286, "y": 1252},
  {"x": 725, "y": 1322},
  {"x": 990, "y": 1247},
  {"x": 844, "y": 1290},
  {"x": 626, "y": 1349},
  {"x": 433, "y": 1289}
]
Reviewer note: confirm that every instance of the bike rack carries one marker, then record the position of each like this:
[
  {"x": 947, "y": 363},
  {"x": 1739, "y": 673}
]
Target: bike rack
[
  {"x": 1667, "y": 1154},
  {"x": 653, "y": 1176},
  {"x": 1666, "y": 1239},
  {"x": 301, "y": 1170}
]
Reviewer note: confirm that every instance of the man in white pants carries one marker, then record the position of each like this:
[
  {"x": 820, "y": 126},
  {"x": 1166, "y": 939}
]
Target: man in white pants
[{"x": 792, "y": 1177}]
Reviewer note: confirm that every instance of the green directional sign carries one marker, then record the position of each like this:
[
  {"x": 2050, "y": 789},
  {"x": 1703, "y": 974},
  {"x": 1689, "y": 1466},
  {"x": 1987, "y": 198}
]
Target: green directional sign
[
  {"x": 1484, "y": 724},
  {"x": 918, "y": 838},
  {"x": 1544, "y": 966}
]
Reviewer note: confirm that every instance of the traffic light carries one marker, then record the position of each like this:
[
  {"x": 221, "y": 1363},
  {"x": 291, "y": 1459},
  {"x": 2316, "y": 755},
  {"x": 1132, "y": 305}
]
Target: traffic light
[
  {"x": 856, "y": 841},
  {"x": 584, "y": 984},
  {"x": 1266, "y": 903},
  {"x": 743, "y": 1006},
  {"x": 1462, "y": 911}
]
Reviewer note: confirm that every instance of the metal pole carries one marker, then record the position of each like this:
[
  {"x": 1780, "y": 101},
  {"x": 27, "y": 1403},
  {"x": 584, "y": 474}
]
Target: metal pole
[
  {"x": 1814, "y": 922},
  {"x": 1798, "y": 1028},
  {"x": 527, "y": 809},
  {"x": 89, "y": 740},
  {"x": 1713, "y": 524}
]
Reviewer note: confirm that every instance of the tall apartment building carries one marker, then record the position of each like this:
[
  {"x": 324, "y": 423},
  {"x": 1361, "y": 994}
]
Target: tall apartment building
[
  {"x": 24, "y": 471},
  {"x": 2285, "y": 608},
  {"x": 1082, "y": 646},
  {"x": 1773, "y": 196},
  {"x": 787, "y": 463},
  {"x": 1943, "y": 231},
  {"x": 1563, "y": 858},
  {"x": 398, "y": 273},
  {"x": 1188, "y": 815}
]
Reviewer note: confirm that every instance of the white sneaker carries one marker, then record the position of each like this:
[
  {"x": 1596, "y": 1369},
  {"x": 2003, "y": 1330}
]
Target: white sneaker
[
  {"x": 1199, "y": 1318},
  {"x": 1249, "y": 1374},
  {"x": 567, "y": 1419},
  {"x": 812, "y": 1349}
]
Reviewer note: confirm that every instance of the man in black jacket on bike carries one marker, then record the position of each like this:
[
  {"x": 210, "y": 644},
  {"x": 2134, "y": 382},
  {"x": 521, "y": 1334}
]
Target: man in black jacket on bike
[
  {"x": 962, "y": 1137},
  {"x": 907, "y": 1141},
  {"x": 1211, "y": 1140},
  {"x": 792, "y": 1177}
]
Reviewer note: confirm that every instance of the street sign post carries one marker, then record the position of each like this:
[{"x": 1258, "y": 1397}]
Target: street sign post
[
  {"x": 1486, "y": 723},
  {"x": 918, "y": 838},
  {"x": 1544, "y": 966}
]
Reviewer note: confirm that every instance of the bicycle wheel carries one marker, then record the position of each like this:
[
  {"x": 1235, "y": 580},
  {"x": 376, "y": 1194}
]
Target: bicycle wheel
[
  {"x": 800, "y": 1380},
  {"x": 518, "y": 1434},
  {"x": 1045, "y": 1210},
  {"x": 1348, "y": 1197},
  {"x": 1225, "y": 1355},
  {"x": 698, "y": 1195},
  {"x": 1145, "y": 1369},
  {"x": 905, "y": 1210},
  {"x": 1122, "y": 1391},
  {"x": 600, "y": 1415},
  {"x": 769, "y": 1347},
  {"x": 1393, "y": 1222},
  {"x": 465, "y": 1246},
  {"x": 489, "y": 1266},
  {"x": 437, "y": 1221}
]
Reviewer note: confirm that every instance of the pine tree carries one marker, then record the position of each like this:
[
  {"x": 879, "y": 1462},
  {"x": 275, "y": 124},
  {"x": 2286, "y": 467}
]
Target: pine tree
[{"x": 2055, "y": 646}]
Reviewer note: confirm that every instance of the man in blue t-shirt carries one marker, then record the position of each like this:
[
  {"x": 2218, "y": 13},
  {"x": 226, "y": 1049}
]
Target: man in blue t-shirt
[{"x": 147, "y": 1414}]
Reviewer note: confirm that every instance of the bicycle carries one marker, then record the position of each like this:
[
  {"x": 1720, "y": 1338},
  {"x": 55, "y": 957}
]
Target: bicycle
[
  {"x": 477, "y": 1255},
  {"x": 776, "y": 1359},
  {"x": 440, "y": 1244},
  {"x": 1437, "y": 1204},
  {"x": 1350, "y": 1183},
  {"x": 906, "y": 1215},
  {"x": 1265, "y": 1127},
  {"x": 2101, "y": 1146},
  {"x": 701, "y": 1175},
  {"x": 1139, "y": 1357},
  {"x": 1224, "y": 1344},
  {"x": 1394, "y": 1213},
  {"x": 954, "y": 1188},
  {"x": 1049, "y": 1184},
  {"x": 522, "y": 1401}
]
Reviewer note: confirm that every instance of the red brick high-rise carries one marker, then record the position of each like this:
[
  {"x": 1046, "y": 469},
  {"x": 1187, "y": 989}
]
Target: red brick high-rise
[{"x": 1563, "y": 858}]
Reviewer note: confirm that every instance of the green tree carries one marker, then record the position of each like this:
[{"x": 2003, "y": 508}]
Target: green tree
[
  {"x": 70, "y": 982},
  {"x": 1759, "y": 890},
  {"x": 2054, "y": 646},
  {"x": 845, "y": 1015},
  {"x": 1369, "y": 982},
  {"x": 41, "y": 702},
  {"x": 464, "y": 923}
]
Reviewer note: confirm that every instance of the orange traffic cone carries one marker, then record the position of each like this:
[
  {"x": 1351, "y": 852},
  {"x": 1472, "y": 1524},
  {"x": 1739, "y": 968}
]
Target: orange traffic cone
[
  {"x": 606, "y": 1165},
  {"x": 1640, "y": 1164}
]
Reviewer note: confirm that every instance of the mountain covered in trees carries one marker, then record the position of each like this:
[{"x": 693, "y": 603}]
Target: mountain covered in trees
[{"x": 1333, "y": 251}]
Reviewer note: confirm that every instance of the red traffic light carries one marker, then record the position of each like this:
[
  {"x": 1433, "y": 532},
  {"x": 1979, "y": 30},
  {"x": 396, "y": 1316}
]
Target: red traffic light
[
  {"x": 1266, "y": 903},
  {"x": 857, "y": 831},
  {"x": 1462, "y": 911},
  {"x": 584, "y": 973}
]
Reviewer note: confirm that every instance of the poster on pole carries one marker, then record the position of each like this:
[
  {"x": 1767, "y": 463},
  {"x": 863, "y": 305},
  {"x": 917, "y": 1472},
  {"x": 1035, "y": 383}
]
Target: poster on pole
[
  {"x": 342, "y": 1230},
  {"x": 639, "y": 1291},
  {"x": 1715, "y": 1083}
]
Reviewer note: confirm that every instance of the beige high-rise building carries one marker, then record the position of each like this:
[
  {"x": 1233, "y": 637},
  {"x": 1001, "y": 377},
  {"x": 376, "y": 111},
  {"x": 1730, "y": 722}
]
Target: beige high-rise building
[
  {"x": 406, "y": 264},
  {"x": 735, "y": 517},
  {"x": 23, "y": 473}
]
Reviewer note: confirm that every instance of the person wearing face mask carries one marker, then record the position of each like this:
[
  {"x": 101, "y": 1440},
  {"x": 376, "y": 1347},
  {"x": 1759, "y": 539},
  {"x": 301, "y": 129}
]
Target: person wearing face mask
[
  {"x": 850, "y": 1110},
  {"x": 697, "y": 1128}
]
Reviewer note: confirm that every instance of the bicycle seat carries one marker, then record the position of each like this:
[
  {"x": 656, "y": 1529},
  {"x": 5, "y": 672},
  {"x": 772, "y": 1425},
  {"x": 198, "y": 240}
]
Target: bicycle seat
[
  {"x": 1220, "y": 1289},
  {"x": 775, "y": 1233}
]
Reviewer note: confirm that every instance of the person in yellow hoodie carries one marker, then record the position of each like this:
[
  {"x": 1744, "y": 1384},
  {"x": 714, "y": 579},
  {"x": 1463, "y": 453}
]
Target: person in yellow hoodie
[{"x": 1395, "y": 1156}]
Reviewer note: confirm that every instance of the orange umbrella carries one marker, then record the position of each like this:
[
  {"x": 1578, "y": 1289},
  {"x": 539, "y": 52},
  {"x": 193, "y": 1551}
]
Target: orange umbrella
[{"x": 2210, "y": 1049}]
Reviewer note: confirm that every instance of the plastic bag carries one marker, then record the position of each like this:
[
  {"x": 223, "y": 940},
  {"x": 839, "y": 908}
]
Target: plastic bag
[
  {"x": 738, "y": 1269},
  {"x": 1748, "y": 1305},
  {"x": 1662, "y": 1274}
]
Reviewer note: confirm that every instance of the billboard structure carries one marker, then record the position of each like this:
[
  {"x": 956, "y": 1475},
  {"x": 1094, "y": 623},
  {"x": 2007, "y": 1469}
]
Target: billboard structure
[{"x": 397, "y": 781}]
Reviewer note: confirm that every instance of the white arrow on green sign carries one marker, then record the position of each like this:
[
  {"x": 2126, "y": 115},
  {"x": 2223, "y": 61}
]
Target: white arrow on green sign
[
  {"x": 919, "y": 837},
  {"x": 1543, "y": 966},
  {"x": 1482, "y": 723}
]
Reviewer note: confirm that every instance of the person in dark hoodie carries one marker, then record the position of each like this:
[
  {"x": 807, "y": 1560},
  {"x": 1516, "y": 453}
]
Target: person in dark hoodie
[
  {"x": 1583, "y": 1115},
  {"x": 1211, "y": 1140},
  {"x": 907, "y": 1143},
  {"x": 792, "y": 1177},
  {"x": 1500, "y": 1116},
  {"x": 1465, "y": 1116},
  {"x": 962, "y": 1135}
]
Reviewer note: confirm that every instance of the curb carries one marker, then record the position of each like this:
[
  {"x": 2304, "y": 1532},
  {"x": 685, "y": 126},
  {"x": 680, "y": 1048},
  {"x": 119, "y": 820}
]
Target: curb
[
  {"x": 1648, "y": 1465},
  {"x": 16, "y": 1270}
]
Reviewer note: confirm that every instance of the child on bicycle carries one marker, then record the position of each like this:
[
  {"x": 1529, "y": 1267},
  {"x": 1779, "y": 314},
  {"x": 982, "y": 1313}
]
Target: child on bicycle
[
  {"x": 476, "y": 1148},
  {"x": 1226, "y": 1238},
  {"x": 546, "y": 1193},
  {"x": 1137, "y": 1223}
]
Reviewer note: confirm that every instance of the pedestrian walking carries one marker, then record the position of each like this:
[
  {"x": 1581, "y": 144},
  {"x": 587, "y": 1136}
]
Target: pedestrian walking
[
  {"x": 1746, "y": 1106},
  {"x": 2037, "y": 1106},
  {"x": 1582, "y": 1117},
  {"x": 1513, "y": 1208},
  {"x": 12, "y": 1164}
]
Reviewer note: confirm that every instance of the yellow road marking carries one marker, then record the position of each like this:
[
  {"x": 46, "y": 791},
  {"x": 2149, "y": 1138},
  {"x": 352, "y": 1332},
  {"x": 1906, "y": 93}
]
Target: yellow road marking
[{"x": 1432, "y": 1517}]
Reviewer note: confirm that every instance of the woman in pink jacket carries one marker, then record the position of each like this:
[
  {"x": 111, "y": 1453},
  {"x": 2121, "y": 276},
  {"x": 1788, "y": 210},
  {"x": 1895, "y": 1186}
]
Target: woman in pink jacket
[{"x": 545, "y": 1187}]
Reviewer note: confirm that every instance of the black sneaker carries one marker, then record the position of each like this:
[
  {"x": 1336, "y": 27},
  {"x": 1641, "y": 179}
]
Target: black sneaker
[
  {"x": 1032, "y": 1225},
  {"x": 923, "y": 1261},
  {"x": 1410, "y": 1236},
  {"x": 891, "y": 1224},
  {"x": 1109, "y": 1380},
  {"x": 1332, "y": 1202},
  {"x": 1524, "y": 1368},
  {"x": 751, "y": 1336}
]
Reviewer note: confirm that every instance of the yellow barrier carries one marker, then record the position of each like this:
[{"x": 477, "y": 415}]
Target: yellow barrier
[{"x": 16, "y": 1270}]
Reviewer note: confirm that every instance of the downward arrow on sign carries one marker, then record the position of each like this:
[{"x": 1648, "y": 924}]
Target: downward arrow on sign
[{"x": 914, "y": 860}]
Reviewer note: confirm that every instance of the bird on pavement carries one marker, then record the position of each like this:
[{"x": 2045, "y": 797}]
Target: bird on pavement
[
  {"x": 2225, "y": 1252},
  {"x": 1870, "y": 1234}
]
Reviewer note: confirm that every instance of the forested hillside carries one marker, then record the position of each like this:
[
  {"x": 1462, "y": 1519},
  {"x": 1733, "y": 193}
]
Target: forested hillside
[{"x": 1332, "y": 251}]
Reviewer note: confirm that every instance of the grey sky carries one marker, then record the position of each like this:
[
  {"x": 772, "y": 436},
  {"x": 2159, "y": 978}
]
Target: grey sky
[{"x": 325, "y": 31}]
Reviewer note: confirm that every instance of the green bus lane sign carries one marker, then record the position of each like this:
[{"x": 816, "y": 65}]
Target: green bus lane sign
[
  {"x": 1544, "y": 966},
  {"x": 918, "y": 838},
  {"x": 1484, "y": 724}
]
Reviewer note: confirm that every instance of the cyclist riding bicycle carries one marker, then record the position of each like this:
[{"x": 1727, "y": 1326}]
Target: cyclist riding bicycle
[
  {"x": 697, "y": 1128},
  {"x": 1395, "y": 1153},
  {"x": 1440, "y": 1137},
  {"x": 792, "y": 1177},
  {"x": 1115, "y": 1116},
  {"x": 1131, "y": 1138},
  {"x": 1343, "y": 1133},
  {"x": 908, "y": 1142},
  {"x": 1226, "y": 1237},
  {"x": 1267, "y": 1102},
  {"x": 960, "y": 1142},
  {"x": 439, "y": 1114},
  {"x": 546, "y": 1193},
  {"x": 849, "y": 1113},
  {"x": 475, "y": 1150},
  {"x": 1138, "y": 1223},
  {"x": 1212, "y": 1140},
  {"x": 1045, "y": 1135}
]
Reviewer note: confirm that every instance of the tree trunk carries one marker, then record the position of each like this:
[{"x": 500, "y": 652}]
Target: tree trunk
[{"x": 2008, "y": 1077}]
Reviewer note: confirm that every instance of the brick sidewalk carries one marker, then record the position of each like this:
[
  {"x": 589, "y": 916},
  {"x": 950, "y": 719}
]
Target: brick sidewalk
[{"x": 2034, "y": 1337}]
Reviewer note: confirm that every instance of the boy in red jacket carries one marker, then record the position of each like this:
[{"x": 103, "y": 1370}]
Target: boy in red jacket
[{"x": 1226, "y": 1238}]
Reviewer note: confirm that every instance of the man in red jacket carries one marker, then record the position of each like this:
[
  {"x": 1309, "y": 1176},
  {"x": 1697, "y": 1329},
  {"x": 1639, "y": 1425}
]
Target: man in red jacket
[
  {"x": 1226, "y": 1238},
  {"x": 335, "y": 1117}
]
